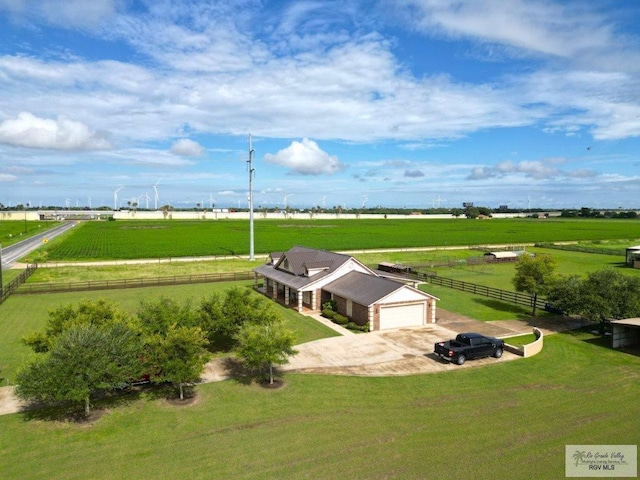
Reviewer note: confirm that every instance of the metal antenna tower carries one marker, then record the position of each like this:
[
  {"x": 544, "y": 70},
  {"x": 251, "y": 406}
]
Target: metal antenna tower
[{"x": 251, "y": 173}]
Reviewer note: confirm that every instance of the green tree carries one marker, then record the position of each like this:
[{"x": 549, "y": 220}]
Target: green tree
[
  {"x": 610, "y": 294},
  {"x": 157, "y": 316},
  {"x": 534, "y": 275},
  {"x": 178, "y": 356},
  {"x": 264, "y": 345},
  {"x": 82, "y": 360},
  {"x": 565, "y": 293},
  {"x": 471, "y": 212},
  {"x": 223, "y": 316},
  {"x": 99, "y": 313}
]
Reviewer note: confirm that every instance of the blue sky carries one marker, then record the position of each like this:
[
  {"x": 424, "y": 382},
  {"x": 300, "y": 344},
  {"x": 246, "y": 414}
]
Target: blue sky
[{"x": 404, "y": 103}]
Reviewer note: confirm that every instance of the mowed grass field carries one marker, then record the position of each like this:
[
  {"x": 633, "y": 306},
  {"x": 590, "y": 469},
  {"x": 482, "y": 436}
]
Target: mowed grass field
[
  {"x": 22, "y": 314},
  {"x": 509, "y": 420},
  {"x": 164, "y": 239},
  {"x": 12, "y": 231}
]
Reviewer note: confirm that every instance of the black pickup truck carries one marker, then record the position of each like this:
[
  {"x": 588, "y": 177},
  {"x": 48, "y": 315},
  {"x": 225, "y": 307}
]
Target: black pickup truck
[{"x": 467, "y": 346}]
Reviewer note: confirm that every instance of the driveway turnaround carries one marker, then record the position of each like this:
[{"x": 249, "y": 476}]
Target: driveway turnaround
[
  {"x": 402, "y": 351},
  {"x": 407, "y": 351}
]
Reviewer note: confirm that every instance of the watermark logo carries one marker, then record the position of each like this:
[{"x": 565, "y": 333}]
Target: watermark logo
[{"x": 601, "y": 461}]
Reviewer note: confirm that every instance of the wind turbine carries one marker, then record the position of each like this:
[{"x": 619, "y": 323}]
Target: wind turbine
[
  {"x": 115, "y": 197},
  {"x": 324, "y": 199},
  {"x": 285, "y": 200},
  {"x": 211, "y": 200},
  {"x": 147, "y": 197},
  {"x": 155, "y": 194},
  {"x": 89, "y": 203},
  {"x": 364, "y": 200}
]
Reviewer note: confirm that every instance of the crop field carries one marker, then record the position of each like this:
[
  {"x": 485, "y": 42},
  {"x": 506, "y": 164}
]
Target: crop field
[{"x": 165, "y": 239}]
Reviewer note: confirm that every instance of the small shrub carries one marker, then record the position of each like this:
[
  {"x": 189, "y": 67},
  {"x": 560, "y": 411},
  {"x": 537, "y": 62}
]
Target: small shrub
[
  {"x": 340, "y": 319},
  {"x": 327, "y": 312},
  {"x": 331, "y": 305},
  {"x": 356, "y": 327}
]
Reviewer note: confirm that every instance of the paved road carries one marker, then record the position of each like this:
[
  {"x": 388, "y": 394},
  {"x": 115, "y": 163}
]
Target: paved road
[{"x": 13, "y": 253}]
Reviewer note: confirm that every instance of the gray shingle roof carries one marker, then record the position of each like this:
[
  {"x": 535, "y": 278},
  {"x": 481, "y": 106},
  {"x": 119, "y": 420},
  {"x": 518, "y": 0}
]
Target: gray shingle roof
[
  {"x": 292, "y": 267},
  {"x": 362, "y": 288}
]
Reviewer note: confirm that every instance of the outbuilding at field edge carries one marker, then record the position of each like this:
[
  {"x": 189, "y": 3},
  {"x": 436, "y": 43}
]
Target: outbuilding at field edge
[{"x": 625, "y": 333}]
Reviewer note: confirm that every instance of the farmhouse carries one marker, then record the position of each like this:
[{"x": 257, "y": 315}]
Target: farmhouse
[
  {"x": 305, "y": 278},
  {"x": 508, "y": 256}
]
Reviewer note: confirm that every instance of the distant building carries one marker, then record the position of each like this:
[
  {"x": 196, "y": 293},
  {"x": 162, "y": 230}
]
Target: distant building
[{"x": 633, "y": 256}]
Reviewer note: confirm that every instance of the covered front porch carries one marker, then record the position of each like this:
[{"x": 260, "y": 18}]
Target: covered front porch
[{"x": 298, "y": 299}]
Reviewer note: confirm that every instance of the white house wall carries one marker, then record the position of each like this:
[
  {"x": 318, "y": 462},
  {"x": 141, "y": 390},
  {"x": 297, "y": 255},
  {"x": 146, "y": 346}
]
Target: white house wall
[
  {"x": 405, "y": 294},
  {"x": 350, "y": 266}
]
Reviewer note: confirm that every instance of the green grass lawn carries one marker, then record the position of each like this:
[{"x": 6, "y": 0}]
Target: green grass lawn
[
  {"x": 509, "y": 420},
  {"x": 153, "y": 270},
  {"x": 22, "y": 314},
  {"x": 169, "y": 238},
  {"x": 13, "y": 231}
]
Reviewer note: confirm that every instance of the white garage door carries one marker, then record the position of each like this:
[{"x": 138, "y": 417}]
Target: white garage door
[{"x": 412, "y": 315}]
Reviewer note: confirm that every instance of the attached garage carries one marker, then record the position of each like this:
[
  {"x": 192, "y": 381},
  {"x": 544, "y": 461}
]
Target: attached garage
[
  {"x": 381, "y": 302},
  {"x": 396, "y": 316}
]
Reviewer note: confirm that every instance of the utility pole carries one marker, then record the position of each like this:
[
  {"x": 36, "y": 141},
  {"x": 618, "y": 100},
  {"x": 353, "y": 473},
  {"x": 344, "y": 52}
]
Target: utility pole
[
  {"x": 1, "y": 287},
  {"x": 251, "y": 172}
]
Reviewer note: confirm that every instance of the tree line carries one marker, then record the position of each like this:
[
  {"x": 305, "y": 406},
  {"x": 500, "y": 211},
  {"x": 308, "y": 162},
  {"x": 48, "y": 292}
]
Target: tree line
[
  {"x": 599, "y": 296},
  {"x": 94, "y": 347}
]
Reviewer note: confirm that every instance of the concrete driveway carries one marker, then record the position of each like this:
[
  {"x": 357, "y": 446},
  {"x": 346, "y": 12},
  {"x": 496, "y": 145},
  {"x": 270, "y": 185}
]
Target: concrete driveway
[
  {"x": 402, "y": 351},
  {"x": 407, "y": 351}
]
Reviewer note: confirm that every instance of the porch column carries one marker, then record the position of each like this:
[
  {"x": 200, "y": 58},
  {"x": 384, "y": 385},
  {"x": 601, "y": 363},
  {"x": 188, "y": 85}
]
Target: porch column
[
  {"x": 286, "y": 295},
  {"x": 300, "y": 294},
  {"x": 274, "y": 290}
]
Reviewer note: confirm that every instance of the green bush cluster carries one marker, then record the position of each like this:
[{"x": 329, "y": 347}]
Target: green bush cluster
[
  {"x": 340, "y": 319},
  {"x": 359, "y": 328},
  {"x": 327, "y": 312}
]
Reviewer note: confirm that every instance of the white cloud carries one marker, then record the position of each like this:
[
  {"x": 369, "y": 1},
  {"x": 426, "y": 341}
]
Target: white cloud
[
  {"x": 6, "y": 177},
  {"x": 67, "y": 13},
  {"x": 30, "y": 131},
  {"x": 535, "y": 26},
  {"x": 187, "y": 148},
  {"x": 306, "y": 158},
  {"x": 537, "y": 170}
]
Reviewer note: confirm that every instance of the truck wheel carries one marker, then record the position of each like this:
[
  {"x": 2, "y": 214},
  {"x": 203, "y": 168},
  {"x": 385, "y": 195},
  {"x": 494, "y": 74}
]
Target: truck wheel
[
  {"x": 461, "y": 359},
  {"x": 497, "y": 353}
]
